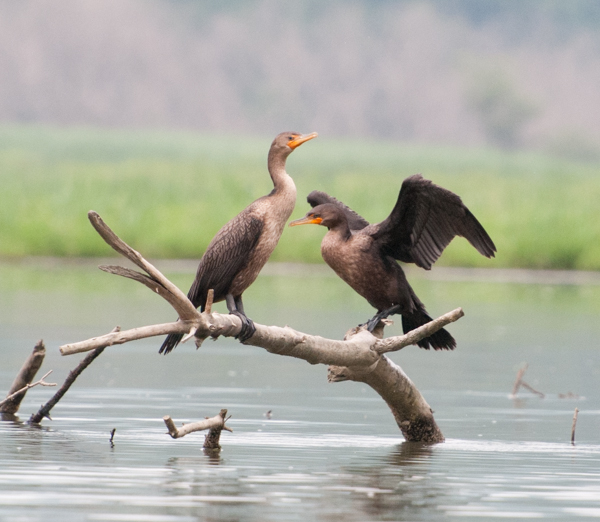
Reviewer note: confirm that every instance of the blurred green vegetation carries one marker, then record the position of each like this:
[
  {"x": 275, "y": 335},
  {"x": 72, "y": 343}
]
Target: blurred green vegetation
[{"x": 167, "y": 193}]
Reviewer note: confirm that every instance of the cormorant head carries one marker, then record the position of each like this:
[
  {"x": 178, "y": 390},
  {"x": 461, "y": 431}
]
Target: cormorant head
[
  {"x": 286, "y": 142},
  {"x": 328, "y": 215}
]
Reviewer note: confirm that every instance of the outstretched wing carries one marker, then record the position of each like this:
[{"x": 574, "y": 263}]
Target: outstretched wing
[
  {"x": 355, "y": 221},
  {"x": 424, "y": 221},
  {"x": 227, "y": 254}
]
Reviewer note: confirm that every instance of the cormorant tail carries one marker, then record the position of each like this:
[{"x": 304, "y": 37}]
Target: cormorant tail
[
  {"x": 170, "y": 343},
  {"x": 440, "y": 340}
]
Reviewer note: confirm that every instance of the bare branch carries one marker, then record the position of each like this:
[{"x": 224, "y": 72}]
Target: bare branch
[
  {"x": 518, "y": 380},
  {"x": 188, "y": 311},
  {"x": 152, "y": 284},
  {"x": 125, "y": 336},
  {"x": 218, "y": 422},
  {"x": 358, "y": 357},
  {"x": 573, "y": 426},
  {"x": 21, "y": 383},
  {"x": 392, "y": 344}
]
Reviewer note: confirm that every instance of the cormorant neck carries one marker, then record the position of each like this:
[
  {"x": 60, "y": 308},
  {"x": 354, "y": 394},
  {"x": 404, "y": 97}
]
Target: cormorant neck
[
  {"x": 281, "y": 179},
  {"x": 341, "y": 229}
]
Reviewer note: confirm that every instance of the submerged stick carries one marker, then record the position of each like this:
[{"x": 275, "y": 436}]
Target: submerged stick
[
  {"x": 22, "y": 381},
  {"x": 573, "y": 426},
  {"x": 519, "y": 379},
  {"x": 44, "y": 411},
  {"x": 519, "y": 382},
  {"x": 215, "y": 424}
]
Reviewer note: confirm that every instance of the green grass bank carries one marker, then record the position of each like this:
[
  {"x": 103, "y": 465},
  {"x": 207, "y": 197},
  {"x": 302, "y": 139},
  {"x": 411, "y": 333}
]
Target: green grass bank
[{"x": 167, "y": 193}]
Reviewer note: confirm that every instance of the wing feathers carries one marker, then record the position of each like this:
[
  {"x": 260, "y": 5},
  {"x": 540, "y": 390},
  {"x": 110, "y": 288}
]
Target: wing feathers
[
  {"x": 424, "y": 221},
  {"x": 227, "y": 254}
]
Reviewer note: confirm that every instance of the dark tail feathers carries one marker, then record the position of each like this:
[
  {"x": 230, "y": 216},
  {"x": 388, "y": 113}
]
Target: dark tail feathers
[
  {"x": 440, "y": 340},
  {"x": 170, "y": 343}
]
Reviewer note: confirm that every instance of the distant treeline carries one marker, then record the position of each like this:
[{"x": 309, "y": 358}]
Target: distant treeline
[{"x": 510, "y": 73}]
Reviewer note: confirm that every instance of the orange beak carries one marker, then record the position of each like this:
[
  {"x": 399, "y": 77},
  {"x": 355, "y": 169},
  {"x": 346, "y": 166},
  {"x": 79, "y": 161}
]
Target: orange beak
[
  {"x": 301, "y": 139},
  {"x": 307, "y": 221}
]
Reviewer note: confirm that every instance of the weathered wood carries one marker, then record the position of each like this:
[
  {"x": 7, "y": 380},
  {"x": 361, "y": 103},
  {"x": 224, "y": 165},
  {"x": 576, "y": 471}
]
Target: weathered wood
[
  {"x": 214, "y": 424},
  {"x": 126, "y": 336},
  {"x": 573, "y": 426},
  {"x": 359, "y": 357},
  {"x": 393, "y": 344},
  {"x": 185, "y": 308},
  {"x": 413, "y": 415},
  {"x": 25, "y": 376}
]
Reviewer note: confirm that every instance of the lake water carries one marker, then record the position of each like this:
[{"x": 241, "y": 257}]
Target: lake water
[{"x": 329, "y": 452}]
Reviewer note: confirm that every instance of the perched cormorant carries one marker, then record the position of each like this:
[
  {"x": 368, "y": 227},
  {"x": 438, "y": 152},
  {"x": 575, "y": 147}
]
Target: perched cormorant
[
  {"x": 425, "y": 219},
  {"x": 241, "y": 248}
]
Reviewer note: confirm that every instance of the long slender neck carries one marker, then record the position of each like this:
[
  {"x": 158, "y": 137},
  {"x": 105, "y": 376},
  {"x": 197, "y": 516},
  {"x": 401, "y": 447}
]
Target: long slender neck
[
  {"x": 341, "y": 229},
  {"x": 282, "y": 181}
]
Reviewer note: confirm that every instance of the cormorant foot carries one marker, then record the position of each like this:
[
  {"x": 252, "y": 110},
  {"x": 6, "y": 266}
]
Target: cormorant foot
[
  {"x": 248, "y": 327},
  {"x": 384, "y": 314},
  {"x": 372, "y": 323}
]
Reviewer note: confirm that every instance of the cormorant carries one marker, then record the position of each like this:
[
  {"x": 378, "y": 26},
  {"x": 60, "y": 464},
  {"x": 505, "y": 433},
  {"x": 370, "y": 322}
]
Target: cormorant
[
  {"x": 241, "y": 248},
  {"x": 424, "y": 220}
]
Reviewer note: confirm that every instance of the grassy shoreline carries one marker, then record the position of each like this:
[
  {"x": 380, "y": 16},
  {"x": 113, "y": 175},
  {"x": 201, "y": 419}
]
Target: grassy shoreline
[{"x": 167, "y": 193}]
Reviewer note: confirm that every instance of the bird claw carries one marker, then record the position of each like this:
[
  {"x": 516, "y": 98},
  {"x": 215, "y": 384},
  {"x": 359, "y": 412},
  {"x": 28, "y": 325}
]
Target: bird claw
[
  {"x": 248, "y": 328},
  {"x": 371, "y": 324}
]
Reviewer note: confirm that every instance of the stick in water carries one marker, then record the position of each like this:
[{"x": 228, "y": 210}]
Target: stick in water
[{"x": 573, "y": 426}]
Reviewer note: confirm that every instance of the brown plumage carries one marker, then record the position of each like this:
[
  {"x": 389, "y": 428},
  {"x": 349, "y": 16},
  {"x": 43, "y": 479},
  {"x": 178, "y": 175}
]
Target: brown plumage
[
  {"x": 424, "y": 220},
  {"x": 241, "y": 248}
]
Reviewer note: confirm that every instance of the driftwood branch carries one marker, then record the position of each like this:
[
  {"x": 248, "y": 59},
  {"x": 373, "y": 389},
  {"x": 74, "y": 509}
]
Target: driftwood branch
[
  {"x": 184, "y": 307},
  {"x": 519, "y": 382},
  {"x": 214, "y": 424},
  {"x": 573, "y": 426},
  {"x": 359, "y": 357},
  {"x": 23, "y": 379}
]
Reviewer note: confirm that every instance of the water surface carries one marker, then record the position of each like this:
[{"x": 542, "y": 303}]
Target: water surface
[{"x": 329, "y": 451}]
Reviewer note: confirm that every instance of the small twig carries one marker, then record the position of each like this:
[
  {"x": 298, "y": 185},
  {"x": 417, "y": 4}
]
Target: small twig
[
  {"x": 41, "y": 382},
  {"x": 209, "y": 301},
  {"x": 189, "y": 335},
  {"x": 573, "y": 426},
  {"x": 532, "y": 390}
]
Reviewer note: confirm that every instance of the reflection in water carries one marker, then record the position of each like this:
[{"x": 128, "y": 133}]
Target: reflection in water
[
  {"x": 318, "y": 458},
  {"x": 396, "y": 483},
  {"x": 408, "y": 453}
]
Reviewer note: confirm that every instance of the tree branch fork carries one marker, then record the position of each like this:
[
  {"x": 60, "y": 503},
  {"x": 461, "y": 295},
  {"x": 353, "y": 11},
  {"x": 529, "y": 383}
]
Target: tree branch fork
[{"x": 359, "y": 354}]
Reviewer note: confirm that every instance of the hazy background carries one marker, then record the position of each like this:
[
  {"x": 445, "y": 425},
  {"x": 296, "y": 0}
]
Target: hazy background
[{"x": 464, "y": 72}]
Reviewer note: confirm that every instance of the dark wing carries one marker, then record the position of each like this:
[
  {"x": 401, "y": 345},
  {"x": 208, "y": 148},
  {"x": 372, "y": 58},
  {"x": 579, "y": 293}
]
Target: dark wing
[
  {"x": 424, "y": 221},
  {"x": 227, "y": 254},
  {"x": 355, "y": 221}
]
